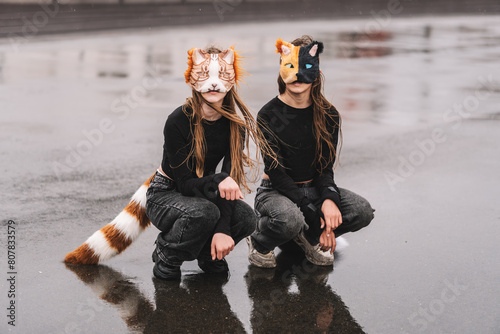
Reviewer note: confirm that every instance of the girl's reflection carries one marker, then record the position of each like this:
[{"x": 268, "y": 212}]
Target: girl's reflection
[
  {"x": 294, "y": 297},
  {"x": 197, "y": 305}
]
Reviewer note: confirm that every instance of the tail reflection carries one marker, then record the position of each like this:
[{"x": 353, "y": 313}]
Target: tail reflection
[
  {"x": 295, "y": 297},
  {"x": 197, "y": 305},
  {"x": 114, "y": 288}
]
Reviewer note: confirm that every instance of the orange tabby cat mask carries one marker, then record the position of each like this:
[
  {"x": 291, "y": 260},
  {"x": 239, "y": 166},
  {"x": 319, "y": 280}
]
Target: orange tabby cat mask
[
  {"x": 212, "y": 72},
  {"x": 299, "y": 63}
]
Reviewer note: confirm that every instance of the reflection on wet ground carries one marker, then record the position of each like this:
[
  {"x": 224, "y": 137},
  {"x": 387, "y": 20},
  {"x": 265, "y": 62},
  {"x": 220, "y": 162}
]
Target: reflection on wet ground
[
  {"x": 66, "y": 176},
  {"x": 427, "y": 63},
  {"x": 296, "y": 295},
  {"x": 198, "y": 303},
  {"x": 352, "y": 49},
  {"x": 293, "y": 295},
  {"x": 116, "y": 290}
]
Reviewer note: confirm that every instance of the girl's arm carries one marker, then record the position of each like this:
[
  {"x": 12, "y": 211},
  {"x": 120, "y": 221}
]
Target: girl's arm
[{"x": 324, "y": 182}]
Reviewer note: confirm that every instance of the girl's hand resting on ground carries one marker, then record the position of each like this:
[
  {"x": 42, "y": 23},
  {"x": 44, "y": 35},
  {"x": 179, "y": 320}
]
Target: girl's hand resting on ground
[
  {"x": 327, "y": 241},
  {"x": 222, "y": 244},
  {"x": 229, "y": 189},
  {"x": 333, "y": 217}
]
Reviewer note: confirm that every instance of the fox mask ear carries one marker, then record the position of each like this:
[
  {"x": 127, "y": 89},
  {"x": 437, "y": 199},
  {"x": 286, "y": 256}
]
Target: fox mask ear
[
  {"x": 283, "y": 48},
  {"x": 289, "y": 60}
]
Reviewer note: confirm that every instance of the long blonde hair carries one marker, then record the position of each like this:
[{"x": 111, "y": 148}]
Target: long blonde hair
[{"x": 243, "y": 127}]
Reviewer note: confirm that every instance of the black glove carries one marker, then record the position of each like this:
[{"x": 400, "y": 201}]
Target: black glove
[{"x": 312, "y": 215}]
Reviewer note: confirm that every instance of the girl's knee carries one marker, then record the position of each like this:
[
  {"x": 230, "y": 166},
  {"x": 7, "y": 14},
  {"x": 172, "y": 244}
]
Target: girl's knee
[
  {"x": 356, "y": 209},
  {"x": 204, "y": 213},
  {"x": 289, "y": 222},
  {"x": 365, "y": 213},
  {"x": 250, "y": 225},
  {"x": 251, "y": 221},
  {"x": 245, "y": 217}
]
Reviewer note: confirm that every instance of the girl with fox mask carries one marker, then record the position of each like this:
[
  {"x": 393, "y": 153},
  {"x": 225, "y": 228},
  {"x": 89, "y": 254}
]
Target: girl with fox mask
[{"x": 298, "y": 202}]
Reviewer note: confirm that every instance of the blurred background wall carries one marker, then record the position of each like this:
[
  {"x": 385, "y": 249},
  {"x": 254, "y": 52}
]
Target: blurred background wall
[{"x": 23, "y": 17}]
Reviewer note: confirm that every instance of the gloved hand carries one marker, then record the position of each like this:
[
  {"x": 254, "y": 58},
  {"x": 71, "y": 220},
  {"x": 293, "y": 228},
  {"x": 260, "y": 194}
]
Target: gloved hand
[{"x": 312, "y": 215}]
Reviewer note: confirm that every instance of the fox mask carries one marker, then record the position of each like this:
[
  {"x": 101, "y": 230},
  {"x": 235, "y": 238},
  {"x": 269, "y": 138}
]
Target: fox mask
[{"x": 299, "y": 63}]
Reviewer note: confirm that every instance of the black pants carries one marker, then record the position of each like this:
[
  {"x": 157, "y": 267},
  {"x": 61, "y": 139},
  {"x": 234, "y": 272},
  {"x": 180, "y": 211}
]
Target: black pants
[
  {"x": 187, "y": 223},
  {"x": 280, "y": 220}
]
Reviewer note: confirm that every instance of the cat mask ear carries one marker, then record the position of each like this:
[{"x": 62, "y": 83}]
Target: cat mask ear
[
  {"x": 197, "y": 56},
  {"x": 299, "y": 63},
  {"x": 309, "y": 62},
  {"x": 217, "y": 71},
  {"x": 315, "y": 48}
]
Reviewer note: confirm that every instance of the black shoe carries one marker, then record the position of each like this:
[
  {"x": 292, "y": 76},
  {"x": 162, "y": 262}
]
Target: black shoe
[
  {"x": 213, "y": 266},
  {"x": 165, "y": 271},
  {"x": 154, "y": 256}
]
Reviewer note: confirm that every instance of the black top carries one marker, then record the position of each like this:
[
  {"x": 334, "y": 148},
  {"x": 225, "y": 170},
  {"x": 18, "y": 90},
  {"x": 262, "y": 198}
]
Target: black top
[
  {"x": 178, "y": 133},
  {"x": 289, "y": 132}
]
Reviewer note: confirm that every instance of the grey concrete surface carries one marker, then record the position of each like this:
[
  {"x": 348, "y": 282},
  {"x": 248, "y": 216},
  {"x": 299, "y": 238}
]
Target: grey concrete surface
[{"x": 81, "y": 128}]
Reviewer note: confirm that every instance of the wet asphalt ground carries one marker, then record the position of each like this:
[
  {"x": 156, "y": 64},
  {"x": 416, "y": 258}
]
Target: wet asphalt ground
[{"x": 81, "y": 129}]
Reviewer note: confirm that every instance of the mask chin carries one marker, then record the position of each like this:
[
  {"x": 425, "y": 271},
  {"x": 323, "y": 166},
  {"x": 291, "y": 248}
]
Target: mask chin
[
  {"x": 220, "y": 86},
  {"x": 305, "y": 81}
]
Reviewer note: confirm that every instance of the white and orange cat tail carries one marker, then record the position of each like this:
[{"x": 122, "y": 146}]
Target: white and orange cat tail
[{"x": 116, "y": 236}]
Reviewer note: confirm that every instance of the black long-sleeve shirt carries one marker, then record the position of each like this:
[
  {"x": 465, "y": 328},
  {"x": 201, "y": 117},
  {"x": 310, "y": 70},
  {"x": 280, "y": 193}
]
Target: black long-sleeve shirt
[
  {"x": 289, "y": 132},
  {"x": 178, "y": 134}
]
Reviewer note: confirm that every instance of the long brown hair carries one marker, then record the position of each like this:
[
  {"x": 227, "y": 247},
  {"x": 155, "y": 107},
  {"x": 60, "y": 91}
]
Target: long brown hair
[
  {"x": 243, "y": 127},
  {"x": 321, "y": 108}
]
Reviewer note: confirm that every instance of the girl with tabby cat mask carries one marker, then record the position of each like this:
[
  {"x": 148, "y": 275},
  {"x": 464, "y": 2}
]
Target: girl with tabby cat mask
[
  {"x": 298, "y": 202},
  {"x": 199, "y": 211}
]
